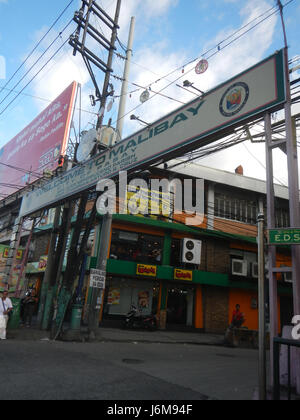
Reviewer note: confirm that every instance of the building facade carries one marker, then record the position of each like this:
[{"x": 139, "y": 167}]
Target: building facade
[{"x": 147, "y": 265}]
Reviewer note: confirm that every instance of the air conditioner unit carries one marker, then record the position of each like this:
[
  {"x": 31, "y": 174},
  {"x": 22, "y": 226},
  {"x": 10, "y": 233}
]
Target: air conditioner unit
[
  {"x": 254, "y": 270},
  {"x": 191, "y": 251},
  {"x": 288, "y": 277},
  {"x": 239, "y": 268}
]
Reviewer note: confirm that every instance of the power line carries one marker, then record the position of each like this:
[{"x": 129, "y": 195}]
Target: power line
[
  {"x": 21, "y": 169},
  {"x": 40, "y": 57},
  {"x": 46, "y": 100},
  {"x": 219, "y": 48},
  {"x": 37, "y": 45}
]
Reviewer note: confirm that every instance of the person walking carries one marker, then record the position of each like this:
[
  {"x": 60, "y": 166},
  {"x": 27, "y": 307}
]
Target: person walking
[
  {"x": 30, "y": 303},
  {"x": 5, "y": 308}
]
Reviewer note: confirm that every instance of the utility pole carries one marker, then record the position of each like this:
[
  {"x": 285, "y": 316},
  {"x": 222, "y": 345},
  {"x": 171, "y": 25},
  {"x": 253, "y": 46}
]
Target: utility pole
[
  {"x": 77, "y": 247},
  {"x": 262, "y": 316},
  {"x": 293, "y": 175},
  {"x": 120, "y": 123},
  {"x": 106, "y": 227}
]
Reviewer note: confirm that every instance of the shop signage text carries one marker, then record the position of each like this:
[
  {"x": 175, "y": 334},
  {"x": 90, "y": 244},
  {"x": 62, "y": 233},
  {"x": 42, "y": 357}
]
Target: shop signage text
[
  {"x": 284, "y": 237},
  {"x": 185, "y": 275},
  {"x": 146, "y": 270}
]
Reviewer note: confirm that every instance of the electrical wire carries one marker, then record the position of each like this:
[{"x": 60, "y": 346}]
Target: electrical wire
[
  {"x": 48, "y": 61},
  {"x": 219, "y": 48},
  {"x": 37, "y": 45},
  {"x": 3, "y": 100},
  {"x": 25, "y": 171}
]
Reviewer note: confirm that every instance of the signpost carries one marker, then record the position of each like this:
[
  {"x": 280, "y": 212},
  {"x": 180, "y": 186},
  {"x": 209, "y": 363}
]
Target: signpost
[{"x": 288, "y": 236}]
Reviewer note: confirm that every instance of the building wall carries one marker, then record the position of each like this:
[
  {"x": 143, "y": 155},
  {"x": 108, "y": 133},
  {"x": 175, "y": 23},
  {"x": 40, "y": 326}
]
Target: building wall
[
  {"x": 235, "y": 228},
  {"x": 215, "y": 309},
  {"x": 215, "y": 256}
]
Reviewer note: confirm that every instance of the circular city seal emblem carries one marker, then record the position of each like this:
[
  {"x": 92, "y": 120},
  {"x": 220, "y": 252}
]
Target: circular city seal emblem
[{"x": 234, "y": 99}]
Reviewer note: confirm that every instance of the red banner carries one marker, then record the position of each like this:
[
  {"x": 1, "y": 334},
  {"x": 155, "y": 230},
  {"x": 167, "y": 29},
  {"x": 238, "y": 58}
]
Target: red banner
[{"x": 38, "y": 146}]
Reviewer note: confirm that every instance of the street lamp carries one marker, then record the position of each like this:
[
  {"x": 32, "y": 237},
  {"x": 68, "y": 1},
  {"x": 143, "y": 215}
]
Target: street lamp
[
  {"x": 134, "y": 118},
  {"x": 189, "y": 84}
]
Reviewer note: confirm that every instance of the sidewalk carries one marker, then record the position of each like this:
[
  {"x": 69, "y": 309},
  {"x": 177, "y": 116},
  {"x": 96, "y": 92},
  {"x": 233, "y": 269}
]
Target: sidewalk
[{"x": 125, "y": 336}]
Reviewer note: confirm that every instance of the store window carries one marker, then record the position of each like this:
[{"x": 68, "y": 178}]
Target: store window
[
  {"x": 120, "y": 294},
  {"x": 282, "y": 218},
  {"x": 137, "y": 247}
]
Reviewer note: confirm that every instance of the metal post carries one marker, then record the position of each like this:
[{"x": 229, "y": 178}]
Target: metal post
[
  {"x": 276, "y": 369},
  {"x": 57, "y": 263},
  {"x": 121, "y": 113},
  {"x": 50, "y": 265},
  {"x": 272, "y": 249},
  {"x": 262, "y": 318}
]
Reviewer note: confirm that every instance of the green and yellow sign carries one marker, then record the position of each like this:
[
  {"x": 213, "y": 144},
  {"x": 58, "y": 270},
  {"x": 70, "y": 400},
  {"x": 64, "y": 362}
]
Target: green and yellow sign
[{"x": 284, "y": 236}]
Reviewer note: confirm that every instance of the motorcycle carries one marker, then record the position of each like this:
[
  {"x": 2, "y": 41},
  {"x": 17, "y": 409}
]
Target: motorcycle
[{"x": 135, "y": 320}]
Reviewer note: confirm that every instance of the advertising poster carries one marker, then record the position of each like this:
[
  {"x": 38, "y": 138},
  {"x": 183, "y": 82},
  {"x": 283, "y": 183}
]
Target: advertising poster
[
  {"x": 144, "y": 299},
  {"x": 39, "y": 146},
  {"x": 114, "y": 296},
  {"x": 4, "y": 251}
]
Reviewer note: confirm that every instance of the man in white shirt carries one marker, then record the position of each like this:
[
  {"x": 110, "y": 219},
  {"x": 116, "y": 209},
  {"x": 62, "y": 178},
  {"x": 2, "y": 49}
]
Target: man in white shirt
[{"x": 5, "y": 308}]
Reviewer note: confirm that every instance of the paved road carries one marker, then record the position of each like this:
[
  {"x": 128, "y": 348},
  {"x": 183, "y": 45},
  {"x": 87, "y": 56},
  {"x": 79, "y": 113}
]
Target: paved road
[{"x": 125, "y": 371}]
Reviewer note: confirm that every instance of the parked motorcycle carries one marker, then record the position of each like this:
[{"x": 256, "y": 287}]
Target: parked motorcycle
[{"x": 135, "y": 320}]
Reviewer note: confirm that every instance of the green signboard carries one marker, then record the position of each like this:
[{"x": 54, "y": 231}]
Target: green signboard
[
  {"x": 284, "y": 236},
  {"x": 254, "y": 92}
]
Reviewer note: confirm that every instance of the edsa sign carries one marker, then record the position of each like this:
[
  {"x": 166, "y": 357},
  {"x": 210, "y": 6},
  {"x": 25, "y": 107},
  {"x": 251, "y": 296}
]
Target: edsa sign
[
  {"x": 216, "y": 114},
  {"x": 284, "y": 236}
]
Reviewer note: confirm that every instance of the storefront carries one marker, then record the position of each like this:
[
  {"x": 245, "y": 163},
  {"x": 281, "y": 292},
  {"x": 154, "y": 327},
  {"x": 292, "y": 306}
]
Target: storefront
[
  {"x": 121, "y": 293},
  {"x": 181, "y": 300},
  {"x": 181, "y": 306}
]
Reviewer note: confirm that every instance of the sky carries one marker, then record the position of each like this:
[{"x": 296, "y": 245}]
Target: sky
[{"x": 169, "y": 34}]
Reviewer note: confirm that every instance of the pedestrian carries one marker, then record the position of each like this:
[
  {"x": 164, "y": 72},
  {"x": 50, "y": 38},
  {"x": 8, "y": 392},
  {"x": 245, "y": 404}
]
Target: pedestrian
[
  {"x": 30, "y": 303},
  {"x": 6, "y": 308}
]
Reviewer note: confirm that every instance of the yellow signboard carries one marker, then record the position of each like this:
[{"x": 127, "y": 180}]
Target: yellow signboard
[
  {"x": 146, "y": 270},
  {"x": 185, "y": 275},
  {"x": 43, "y": 263}
]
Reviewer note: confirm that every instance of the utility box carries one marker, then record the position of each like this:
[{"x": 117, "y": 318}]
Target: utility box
[{"x": 76, "y": 317}]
